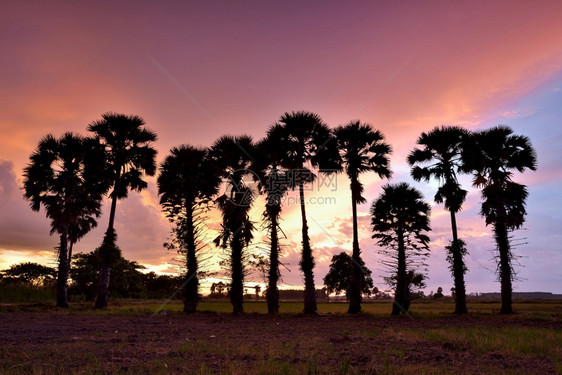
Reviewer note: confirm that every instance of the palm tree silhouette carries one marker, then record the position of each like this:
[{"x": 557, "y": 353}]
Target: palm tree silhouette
[
  {"x": 306, "y": 140},
  {"x": 362, "y": 150},
  {"x": 274, "y": 184},
  {"x": 440, "y": 158},
  {"x": 59, "y": 178},
  {"x": 186, "y": 184},
  {"x": 400, "y": 219},
  {"x": 493, "y": 157},
  {"x": 129, "y": 157},
  {"x": 234, "y": 156}
]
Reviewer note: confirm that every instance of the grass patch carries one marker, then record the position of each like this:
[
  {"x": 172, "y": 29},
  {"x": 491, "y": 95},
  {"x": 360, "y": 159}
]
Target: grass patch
[
  {"x": 514, "y": 341},
  {"x": 542, "y": 310},
  {"x": 26, "y": 294}
]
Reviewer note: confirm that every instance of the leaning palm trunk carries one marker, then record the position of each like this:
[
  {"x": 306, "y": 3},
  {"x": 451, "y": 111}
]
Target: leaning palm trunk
[
  {"x": 458, "y": 269},
  {"x": 62, "y": 277},
  {"x": 191, "y": 289},
  {"x": 504, "y": 250},
  {"x": 307, "y": 262},
  {"x": 272, "y": 291}
]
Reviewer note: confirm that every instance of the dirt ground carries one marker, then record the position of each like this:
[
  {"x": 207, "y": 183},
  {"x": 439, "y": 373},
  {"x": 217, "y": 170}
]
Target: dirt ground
[{"x": 63, "y": 342}]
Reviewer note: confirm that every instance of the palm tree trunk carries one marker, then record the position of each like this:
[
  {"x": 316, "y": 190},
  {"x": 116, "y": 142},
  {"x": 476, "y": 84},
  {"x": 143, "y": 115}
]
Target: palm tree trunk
[
  {"x": 355, "y": 287},
  {"x": 109, "y": 253},
  {"x": 237, "y": 286},
  {"x": 307, "y": 262},
  {"x": 401, "y": 302},
  {"x": 505, "y": 266},
  {"x": 102, "y": 299},
  {"x": 62, "y": 277},
  {"x": 458, "y": 270},
  {"x": 272, "y": 291},
  {"x": 191, "y": 289},
  {"x": 111, "y": 223},
  {"x": 70, "y": 246}
]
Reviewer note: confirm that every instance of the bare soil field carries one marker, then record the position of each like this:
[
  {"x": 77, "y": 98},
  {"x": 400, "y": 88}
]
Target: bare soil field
[{"x": 66, "y": 341}]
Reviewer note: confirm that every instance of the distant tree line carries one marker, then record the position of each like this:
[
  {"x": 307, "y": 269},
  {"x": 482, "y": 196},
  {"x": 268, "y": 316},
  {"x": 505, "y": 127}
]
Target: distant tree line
[
  {"x": 128, "y": 282},
  {"x": 69, "y": 176}
]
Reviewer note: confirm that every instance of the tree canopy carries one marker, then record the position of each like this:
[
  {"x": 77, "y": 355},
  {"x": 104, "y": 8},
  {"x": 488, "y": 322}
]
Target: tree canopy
[{"x": 338, "y": 278}]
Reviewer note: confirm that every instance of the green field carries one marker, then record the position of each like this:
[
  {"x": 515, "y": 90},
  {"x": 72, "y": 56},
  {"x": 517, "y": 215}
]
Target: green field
[{"x": 531, "y": 309}]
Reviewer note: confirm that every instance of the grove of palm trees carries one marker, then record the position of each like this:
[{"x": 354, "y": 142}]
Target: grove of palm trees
[
  {"x": 281, "y": 187},
  {"x": 68, "y": 177}
]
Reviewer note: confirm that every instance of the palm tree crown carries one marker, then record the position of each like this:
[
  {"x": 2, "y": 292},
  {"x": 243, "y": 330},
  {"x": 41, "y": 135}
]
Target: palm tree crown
[
  {"x": 307, "y": 139},
  {"x": 186, "y": 177},
  {"x": 129, "y": 153},
  {"x": 440, "y": 158},
  {"x": 497, "y": 154},
  {"x": 362, "y": 149}
]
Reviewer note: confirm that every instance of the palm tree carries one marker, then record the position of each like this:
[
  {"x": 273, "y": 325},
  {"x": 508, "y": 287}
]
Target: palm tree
[
  {"x": 234, "y": 155},
  {"x": 186, "y": 184},
  {"x": 306, "y": 140},
  {"x": 362, "y": 150},
  {"x": 440, "y": 158},
  {"x": 60, "y": 179},
  {"x": 493, "y": 157},
  {"x": 129, "y": 157},
  {"x": 274, "y": 185},
  {"x": 400, "y": 219}
]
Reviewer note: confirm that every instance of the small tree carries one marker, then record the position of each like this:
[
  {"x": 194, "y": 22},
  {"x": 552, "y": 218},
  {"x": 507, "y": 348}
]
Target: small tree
[
  {"x": 126, "y": 283},
  {"x": 220, "y": 288},
  {"x": 29, "y": 273},
  {"x": 400, "y": 219},
  {"x": 338, "y": 278}
]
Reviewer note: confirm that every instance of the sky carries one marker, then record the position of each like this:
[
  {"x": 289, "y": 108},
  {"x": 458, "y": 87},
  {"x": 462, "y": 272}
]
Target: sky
[{"x": 198, "y": 70}]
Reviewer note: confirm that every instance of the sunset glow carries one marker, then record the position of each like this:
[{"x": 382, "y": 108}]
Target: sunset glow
[{"x": 196, "y": 71}]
